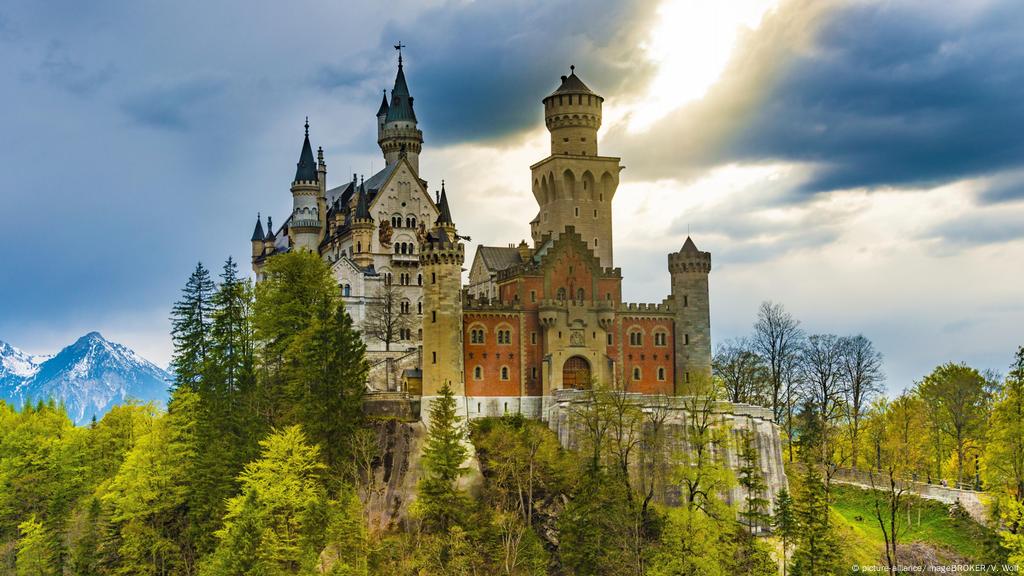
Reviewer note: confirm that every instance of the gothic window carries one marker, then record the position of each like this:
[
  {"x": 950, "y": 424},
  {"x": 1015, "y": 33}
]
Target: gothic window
[
  {"x": 478, "y": 373},
  {"x": 661, "y": 374},
  {"x": 476, "y": 336},
  {"x": 504, "y": 336},
  {"x": 660, "y": 339},
  {"x": 636, "y": 373},
  {"x": 504, "y": 372},
  {"x": 636, "y": 338}
]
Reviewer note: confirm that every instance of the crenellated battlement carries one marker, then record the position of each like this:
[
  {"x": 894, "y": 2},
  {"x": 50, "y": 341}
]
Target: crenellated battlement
[
  {"x": 642, "y": 308},
  {"x": 687, "y": 262}
]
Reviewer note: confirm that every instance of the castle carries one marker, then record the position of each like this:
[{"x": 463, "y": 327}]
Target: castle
[{"x": 536, "y": 317}]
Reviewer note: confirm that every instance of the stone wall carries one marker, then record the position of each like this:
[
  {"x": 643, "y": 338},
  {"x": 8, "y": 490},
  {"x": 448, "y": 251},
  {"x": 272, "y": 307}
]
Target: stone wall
[{"x": 560, "y": 412}]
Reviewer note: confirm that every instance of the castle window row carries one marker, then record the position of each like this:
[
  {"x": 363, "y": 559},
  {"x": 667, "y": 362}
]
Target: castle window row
[
  {"x": 638, "y": 373},
  {"x": 636, "y": 338},
  {"x": 504, "y": 335},
  {"x": 405, "y": 248},
  {"x": 397, "y": 222},
  {"x": 478, "y": 373}
]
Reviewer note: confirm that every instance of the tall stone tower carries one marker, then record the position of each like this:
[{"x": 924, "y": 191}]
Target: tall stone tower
[
  {"x": 689, "y": 269},
  {"x": 398, "y": 134},
  {"x": 305, "y": 226},
  {"x": 441, "y": 258},
  {"x": 574, "y": 186}
]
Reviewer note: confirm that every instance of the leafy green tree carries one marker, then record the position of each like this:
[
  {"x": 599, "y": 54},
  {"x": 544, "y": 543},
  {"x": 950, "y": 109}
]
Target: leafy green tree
[
  {"x": 313, "y": 369},
  {"x": 149, "y": 495},
  {"x": 190, "y": 327},
  {"x": 277, "y": 524},
  {"x": 958, "y": 399},
  {"x": 36, "y": 556},
  {"x": 1004, "y": 453},
  {"x": 441, "y": 504}
]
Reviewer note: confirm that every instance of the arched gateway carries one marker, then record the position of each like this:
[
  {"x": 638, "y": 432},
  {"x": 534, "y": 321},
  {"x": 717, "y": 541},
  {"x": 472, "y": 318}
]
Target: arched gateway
[{"x": 576, "y": 373}]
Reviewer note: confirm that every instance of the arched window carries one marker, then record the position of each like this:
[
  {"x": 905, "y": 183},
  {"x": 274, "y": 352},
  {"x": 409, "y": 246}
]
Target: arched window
[
  {"x": 504, "y": 372},
  {"x": 636, "y": 373},
  {"x": 636, "y": 338},
  {"x": 561, "y": 294},
  {"x": 397, "y": 246},
  {"x": 504, "y": 335},
  {"x": 405, "y": 306},
  {"x": 347, "y": 290},
  {"x": 579, "y": 294},
  {"x": 419, "y": 307},
  {"x": 476, "y": 335},
  {"x": 661, "y": 374},
  {"x": 478, "y": 373},
  {"x": 660, "y": 338}
]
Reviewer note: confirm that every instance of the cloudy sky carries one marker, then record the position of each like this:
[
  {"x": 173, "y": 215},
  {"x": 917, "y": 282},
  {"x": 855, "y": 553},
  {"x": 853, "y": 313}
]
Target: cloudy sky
[{"x": 860, "y": 162}]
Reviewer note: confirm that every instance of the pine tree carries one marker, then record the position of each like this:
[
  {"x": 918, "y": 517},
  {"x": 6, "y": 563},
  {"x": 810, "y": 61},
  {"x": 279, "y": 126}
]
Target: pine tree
[
  {"x": 277, "y": 525},
  {"x": 817, "y": 551},
  {"x": 441, "y": 504},
  {"x": 785, "y": 523},
  {"x": 36, "y": 556},
  {"x": 752, "y": 480},
  {"x": 190, "y": 328}
]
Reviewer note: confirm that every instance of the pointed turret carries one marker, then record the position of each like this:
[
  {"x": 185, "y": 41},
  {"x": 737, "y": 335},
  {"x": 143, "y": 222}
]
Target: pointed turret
[
  {"x": 305, "y": 227},
  {"x": 689, "y": 246},
  {"x": 362, "y": 228},
  {"x": 398, "y": 135},
  {"x": 257, "y": 238},
  {"x": 306, "y": 170},
  {"x": 444, "y": 214},
  {"x": 383, "y": 110}
]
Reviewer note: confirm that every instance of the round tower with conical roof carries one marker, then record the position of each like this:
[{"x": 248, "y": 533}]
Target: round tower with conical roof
[
  {"x": 689, "y": 269},
  {"x": 574, "y": 186},
  {"x": 304, "y": 227},
  {"x": 398, "y": 135}
]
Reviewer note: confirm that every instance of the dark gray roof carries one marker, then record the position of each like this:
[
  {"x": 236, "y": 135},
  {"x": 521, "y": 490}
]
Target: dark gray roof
[
  {"x": 572, "y": 84},
  {"x": 444, "y": 215},
  {"x": 362, "y": 210},
  {"x": 383, "y": 105},
  {"x": 499, "y": 257},
  {"x": 401, "y": 101},
  {"x": 257, "y": 233},
  {"x": 306, "y": 170},
  {"x": 689, "y": 246},
  {"x": 270, "y": 229}
]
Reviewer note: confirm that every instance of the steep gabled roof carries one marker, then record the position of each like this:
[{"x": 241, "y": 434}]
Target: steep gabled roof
[
  {"x": 444, "y": 214},
  {"x": 497, "y": 258},
  {"x": 362, "y": 210}
]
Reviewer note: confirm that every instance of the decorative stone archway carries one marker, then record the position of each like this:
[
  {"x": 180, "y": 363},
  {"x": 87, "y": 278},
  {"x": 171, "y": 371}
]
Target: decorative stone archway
[{"x": 576, "y": 373}]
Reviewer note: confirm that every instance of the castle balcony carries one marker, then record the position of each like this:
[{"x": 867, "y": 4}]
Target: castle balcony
[
  {"x": 550, "y": 312},
  {"x": 605, "y": 314},
  {"x": 406, "y": 258}
]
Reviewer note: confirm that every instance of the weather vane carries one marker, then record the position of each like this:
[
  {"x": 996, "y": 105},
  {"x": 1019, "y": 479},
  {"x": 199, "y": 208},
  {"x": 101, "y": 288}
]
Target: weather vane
[{"x": 399, "y": 47}]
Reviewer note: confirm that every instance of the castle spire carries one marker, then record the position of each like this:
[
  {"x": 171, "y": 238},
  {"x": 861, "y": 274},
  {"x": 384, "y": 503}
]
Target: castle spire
[
  {"x": 257, "y": 233},
  {"x": 306, "y": 168},
  {"x": 362, "y": 210},
  {"x": 383, "y": 110},
  {"x": 444, "y": 214}
]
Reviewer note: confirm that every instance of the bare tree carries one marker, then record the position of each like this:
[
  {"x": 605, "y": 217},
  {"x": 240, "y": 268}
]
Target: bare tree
[
  {"x": 824, "y": 381},
  {"x": 863, "y": 367},
  {"x": 777, "y": 337},
  {"x": 385, "y": 320},
  {"x": 743, "y": 372}
]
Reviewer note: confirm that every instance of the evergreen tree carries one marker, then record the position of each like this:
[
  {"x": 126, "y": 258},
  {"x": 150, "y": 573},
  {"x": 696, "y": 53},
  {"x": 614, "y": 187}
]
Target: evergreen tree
[
  {"x": 277, "y": 525},
  {"x": 755, "y": 512},
  {"x": 441, "y": 504},
  {"x": 190, "y": 328},
  {"x": 817, "y": 551},
  {"x": 36, "y": 556},
  {"x": 785, "y": 523}
]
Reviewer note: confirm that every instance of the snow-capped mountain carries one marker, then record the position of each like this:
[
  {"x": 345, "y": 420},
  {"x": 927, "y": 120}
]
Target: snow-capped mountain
[{"x": 90, "y": 377}]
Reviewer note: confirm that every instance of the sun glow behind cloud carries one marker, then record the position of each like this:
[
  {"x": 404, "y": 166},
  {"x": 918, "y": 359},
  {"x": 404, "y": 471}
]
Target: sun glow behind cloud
[{"x": 691, "y": 46}]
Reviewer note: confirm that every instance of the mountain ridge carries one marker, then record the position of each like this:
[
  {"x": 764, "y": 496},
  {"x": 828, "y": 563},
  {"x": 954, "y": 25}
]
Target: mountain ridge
[{"x": 90, "y": 376}]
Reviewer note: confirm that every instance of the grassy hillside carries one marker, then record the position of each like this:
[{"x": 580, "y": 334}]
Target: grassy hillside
[{"x": 930, "y": 523}]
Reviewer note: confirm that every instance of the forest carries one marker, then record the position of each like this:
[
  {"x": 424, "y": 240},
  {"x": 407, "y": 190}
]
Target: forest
[{"x": 263, "y": 460}]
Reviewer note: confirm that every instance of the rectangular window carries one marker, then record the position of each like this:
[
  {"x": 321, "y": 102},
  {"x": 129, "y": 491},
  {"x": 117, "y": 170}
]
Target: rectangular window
[
  {"x": 533, "y": 372},
  {"x": 533, "y": 295},
  {"x": 595, "y": 213},
  {"x": 686, "y": 301},
  {"x": 433, "y": 357},
  {"x": 433, "y": 315},
  {"x": 686, "y": 339},
  {"x": 577, "y": 211},
  {"x": 533, "y": 337},
  {"x": 609, "y": 339}
]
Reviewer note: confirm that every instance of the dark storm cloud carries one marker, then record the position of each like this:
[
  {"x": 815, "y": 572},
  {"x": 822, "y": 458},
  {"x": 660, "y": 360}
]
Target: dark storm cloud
[
  {"x": 169, "y": 105},
  {"x": 882, "y": 94},
  {"x": 478, "y": 70},
  {"x": 893, "y": 97}
]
